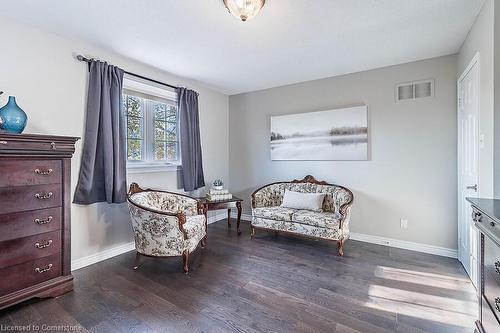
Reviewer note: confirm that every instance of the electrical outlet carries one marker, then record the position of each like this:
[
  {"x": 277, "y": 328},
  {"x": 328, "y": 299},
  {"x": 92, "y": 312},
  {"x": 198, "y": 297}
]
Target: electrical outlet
[{"x": 404, "y": 223}]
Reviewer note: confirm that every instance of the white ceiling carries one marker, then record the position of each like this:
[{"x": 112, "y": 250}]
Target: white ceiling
[{"x": 289, "y": 41}]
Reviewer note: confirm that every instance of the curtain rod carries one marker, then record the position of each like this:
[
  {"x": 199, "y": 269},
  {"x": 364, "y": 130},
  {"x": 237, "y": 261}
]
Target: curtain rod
[{"x": 87, "y": 60}]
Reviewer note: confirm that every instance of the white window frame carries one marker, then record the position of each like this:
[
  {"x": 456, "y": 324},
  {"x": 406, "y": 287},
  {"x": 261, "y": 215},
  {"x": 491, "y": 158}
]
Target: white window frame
[{"x": 149, "y": 164}]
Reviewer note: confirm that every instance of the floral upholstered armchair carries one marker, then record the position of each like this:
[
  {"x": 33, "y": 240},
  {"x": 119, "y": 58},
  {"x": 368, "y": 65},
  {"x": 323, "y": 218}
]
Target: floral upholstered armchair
[
  {"x": 165, "y": 224},
  {"x": 332, "y": 222}
]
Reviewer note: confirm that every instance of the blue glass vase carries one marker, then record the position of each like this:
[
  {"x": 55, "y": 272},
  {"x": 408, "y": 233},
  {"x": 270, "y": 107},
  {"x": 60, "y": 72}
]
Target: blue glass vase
[{"x": 13, "y": 117}]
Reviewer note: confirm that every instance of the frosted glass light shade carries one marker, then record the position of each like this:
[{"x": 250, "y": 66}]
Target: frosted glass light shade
[{"x": 244, "y": 9}]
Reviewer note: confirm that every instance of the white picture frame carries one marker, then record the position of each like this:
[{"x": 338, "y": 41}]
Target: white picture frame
[{"x": 330, "y": 135}]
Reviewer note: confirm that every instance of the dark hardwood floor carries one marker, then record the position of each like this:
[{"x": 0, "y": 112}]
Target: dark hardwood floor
[{"x": 268, "y": 284}]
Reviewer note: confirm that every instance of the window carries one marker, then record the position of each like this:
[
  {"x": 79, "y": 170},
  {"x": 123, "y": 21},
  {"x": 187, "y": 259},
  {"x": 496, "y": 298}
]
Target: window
[{"x": 152, "y": 126}]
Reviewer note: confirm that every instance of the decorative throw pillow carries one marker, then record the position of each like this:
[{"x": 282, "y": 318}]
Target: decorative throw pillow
[{"x": 298, "y": 200}]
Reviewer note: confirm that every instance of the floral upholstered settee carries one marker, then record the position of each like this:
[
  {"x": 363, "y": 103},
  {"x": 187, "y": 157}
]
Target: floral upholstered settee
[
  {"x": 165, "y": 224},
  {"x": 332, "y": 222}
]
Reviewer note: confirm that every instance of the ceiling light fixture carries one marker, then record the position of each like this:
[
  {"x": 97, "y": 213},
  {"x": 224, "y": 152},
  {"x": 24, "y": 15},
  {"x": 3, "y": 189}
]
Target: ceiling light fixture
[{"x": 244, "y": 9}]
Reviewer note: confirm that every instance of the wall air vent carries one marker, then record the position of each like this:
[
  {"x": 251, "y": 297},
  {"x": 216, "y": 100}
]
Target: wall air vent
[{"x": 414, "y": 90}]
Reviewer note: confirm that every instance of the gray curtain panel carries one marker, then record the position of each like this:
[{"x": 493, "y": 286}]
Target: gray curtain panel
[
  {"x": 103, "y": 167},
  {"x": 192, "y": 166}
]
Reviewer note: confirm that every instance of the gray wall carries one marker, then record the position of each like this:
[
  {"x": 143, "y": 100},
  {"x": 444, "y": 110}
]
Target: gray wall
[
  {"x": 39, "y": 68},
  {"x": 480, "y": 39},
  {"x": 412, "y": 169}
]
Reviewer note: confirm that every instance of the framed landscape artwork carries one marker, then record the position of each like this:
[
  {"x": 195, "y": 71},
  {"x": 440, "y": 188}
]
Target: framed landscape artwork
[{"x": 338, "y": 134}]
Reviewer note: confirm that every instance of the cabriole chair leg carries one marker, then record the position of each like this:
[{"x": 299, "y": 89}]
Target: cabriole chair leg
[
  {"x": 185, "y": 260},
  {"x": 138, "y": 260},
  {"x": 252, "y": 232},
  {"x": 341, "y": 247}
]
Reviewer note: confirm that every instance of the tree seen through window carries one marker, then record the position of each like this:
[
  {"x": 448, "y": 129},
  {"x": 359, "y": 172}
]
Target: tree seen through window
[{"x": 152, "y": 131}]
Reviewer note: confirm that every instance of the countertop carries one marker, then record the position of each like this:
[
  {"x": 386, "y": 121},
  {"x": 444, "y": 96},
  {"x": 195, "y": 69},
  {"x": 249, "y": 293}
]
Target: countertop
[{"x": 490, "y": 207}]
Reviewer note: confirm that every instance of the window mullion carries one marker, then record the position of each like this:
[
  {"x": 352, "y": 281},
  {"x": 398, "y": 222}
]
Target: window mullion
[
  {"x": 144, "y": 131},
  {"x": 149, "y": 130},
  {"x": 126, "y": 123}
]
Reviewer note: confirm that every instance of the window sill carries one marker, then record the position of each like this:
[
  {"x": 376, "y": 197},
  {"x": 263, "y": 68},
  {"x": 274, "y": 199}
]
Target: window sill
[{"x": 151, "y": 167}]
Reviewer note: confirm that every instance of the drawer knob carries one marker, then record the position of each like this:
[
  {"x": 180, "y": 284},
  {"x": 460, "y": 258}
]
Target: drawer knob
[
  {"x": 497, "y": 304},
  {"x": 43, "y": 196},
  {"x": 2, "y": 142},
  {"x": 40, "y": 221},
  {"x": 497, "y": 267},
  {"x": 43, "y": 270},
  {"x": 492, "y": 224},
  {"x": 43, "y": 246},
  {"x": 43, "y": 172},
  {"x": 476, "y": 217},
  {"x": 53, "y": 145}
]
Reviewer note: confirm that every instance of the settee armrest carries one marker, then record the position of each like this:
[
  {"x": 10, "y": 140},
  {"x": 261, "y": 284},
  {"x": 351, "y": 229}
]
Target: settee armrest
[{"x": 345, "y": 217}]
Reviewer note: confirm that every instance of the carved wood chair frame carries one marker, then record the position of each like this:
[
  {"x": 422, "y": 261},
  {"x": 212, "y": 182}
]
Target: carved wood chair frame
[{"x": 181, "y": 217}]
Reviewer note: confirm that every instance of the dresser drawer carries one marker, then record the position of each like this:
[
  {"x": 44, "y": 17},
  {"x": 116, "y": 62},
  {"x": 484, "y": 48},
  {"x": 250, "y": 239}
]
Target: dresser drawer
[
  {"x": 492, "y": 261},
  {"x": 30, "y": 273},
  {"x": 23, "y": 198},
  {"x": 33, "y": 144},
  {"x": 29, "y": 172},
  {"x": 17, "y": 225},
  {"x": 491, "y": 276},
  {"x": 489, "y": 321},
  {"x": 17, "y": 251}
]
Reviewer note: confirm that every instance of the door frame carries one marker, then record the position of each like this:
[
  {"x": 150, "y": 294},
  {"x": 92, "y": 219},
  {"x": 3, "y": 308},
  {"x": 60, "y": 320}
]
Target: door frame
[{"x": 476, "y": 60}]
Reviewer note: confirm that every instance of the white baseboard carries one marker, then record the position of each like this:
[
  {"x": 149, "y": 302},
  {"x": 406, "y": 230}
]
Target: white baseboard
[
  {"x": 212, "y": 218},
  {"x": 123, "y": 248},
  {"x": 218, "y": 216},
  {"x": 102, "y": 255},
  {"x": 400, "y": 244},
  {"x": 244, "y": 217}
]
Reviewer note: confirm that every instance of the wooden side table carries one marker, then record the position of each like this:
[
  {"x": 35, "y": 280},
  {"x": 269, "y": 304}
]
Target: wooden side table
[{"x": 234, "y": 202}]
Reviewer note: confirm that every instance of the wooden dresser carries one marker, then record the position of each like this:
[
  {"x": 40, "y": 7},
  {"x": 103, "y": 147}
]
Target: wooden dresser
[
  {"x": 35, "y": 236},
  {"x": 486, "y": 217}
]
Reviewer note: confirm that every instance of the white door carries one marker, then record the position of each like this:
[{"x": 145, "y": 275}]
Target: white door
[{"x": 468, "y": 166}]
